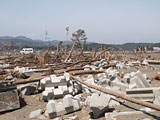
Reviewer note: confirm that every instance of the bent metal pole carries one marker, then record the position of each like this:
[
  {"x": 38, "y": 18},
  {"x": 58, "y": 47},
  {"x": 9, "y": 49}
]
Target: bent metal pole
[{"x": 118, "y": 95}]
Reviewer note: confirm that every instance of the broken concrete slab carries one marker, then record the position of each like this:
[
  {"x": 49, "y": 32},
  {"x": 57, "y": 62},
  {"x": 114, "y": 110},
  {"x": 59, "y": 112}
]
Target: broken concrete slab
[
  {"x": 67, "y": 76},
  {"x": 73, "y": 118},
  {"x": 112, "y": 115},
  {"x": 142, "y": 78},
  {"x": 71, "y": 104},
  {"x": 145, "y": 94},
  {"x": 156, "y": 93},
  {"x": 51, "y": 109},
  {"x": 9, "y": 77},
  {"x": 48, "y": 94},
  {"x": 126, "y": 78},
  {"x": 28, "y": 89},
  {"x": 68, "y": 105},
  {"x": 37, "y": 114},
  {"x": 44, "y": 81},
  {"x": 9, "y": 99},
  {"x": 98, "y": 103},
  {"x": 101, "y": 76},
  {"x": 119, "y": 84}
]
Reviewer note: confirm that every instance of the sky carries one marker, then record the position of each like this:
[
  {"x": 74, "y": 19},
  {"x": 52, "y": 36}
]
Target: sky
[{"x": 104, "y": 21}]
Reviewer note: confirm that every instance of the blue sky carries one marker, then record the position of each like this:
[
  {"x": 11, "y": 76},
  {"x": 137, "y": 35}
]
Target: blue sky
[{"x": 105, "y": 21}]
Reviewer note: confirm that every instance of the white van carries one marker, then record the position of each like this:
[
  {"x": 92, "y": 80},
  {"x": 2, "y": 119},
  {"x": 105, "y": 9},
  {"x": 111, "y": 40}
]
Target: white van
[{"x": 26, "y": 51}]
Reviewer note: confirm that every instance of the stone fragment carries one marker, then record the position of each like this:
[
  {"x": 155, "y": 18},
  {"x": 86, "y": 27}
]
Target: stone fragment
[
  {"x": 36, "y": 114},
  {"x": 28, "y": 90},
  {"x": 98, "y": 103}
]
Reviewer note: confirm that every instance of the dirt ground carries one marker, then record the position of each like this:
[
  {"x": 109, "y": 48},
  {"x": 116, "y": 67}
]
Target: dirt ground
[{"x": 34, "y": 102}]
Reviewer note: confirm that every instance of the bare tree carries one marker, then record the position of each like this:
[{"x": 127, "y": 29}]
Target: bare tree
[
  {"x": 58, "y": 46},
  {"x": 84, "y": 38},
  {"x": 10, "y": 47},
  {"x": 76, "y": 38}
]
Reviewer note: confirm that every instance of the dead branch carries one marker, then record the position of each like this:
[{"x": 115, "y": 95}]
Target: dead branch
[{"x": 101, "y": 53}]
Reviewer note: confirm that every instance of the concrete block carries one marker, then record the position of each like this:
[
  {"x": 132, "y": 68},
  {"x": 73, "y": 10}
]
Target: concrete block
[
  {"x": 132, "y": 74},
  {"x": 113, "y": 115},
  {"x": 48, "y": 94},
  {"x": 9, "y": 77},
  {"x": 101, "y": 76},
  {"x": 62, "y": 78},
  {"x": 71, "y": 89},
  {"x": 58, "y": 93},
  {"x": 76, "y": 104},
  {"x": 156, "y": 93},
  {"x": 98, "y": 103},
  {"x": 90, "y": 77},
  {"x": 114, "y": 88},
  {"x": 77, "y": 86},
  {"x": 86, "y": 69},
  {"x": 55, "y": 79},
  {"x": 67, "y": 102},
  {"x": 132, "y": 86},
  {"x": 60, "y": 109},
  {"x": 27, "y": 89},
  {"x": 121, "y": 85},
  {"x": 36, "y": 114},
  {"x": 126, "y": 78},
  {"x": 68, "y": 105},
  {"x": 96, "y": 63},
  {"x": 73, "y": 118},
  {"x": 67, "y": 76},
  {"x": 105, "y": 81},
  {"x": 44, "y": 81},
  {"x": 51, "y": 109},
  {"x": 94, "y": 67},
  {"x": 64, "y": 89},
  {"x": 71, "y": 104},
  {"x": 137, "y": 81},
  {"x": 142, "y": 78},
  {"x": 145, "y": 94},
  {"x": 101, "y": 68}
]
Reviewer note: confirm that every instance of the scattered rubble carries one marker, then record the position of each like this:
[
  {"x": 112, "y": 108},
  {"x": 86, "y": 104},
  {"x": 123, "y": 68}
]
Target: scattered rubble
[
  {"x": 68, "y": 105},
  {"x": 63, "y": 95},
  {"x": 37, "y": 114}
]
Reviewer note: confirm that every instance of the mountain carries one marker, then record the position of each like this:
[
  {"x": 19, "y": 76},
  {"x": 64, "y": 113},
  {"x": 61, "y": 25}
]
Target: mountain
[
  {"x": 24, "y": 41},
  {"x": 132, "y": 46},
  {"x": 21, "y": 41}
]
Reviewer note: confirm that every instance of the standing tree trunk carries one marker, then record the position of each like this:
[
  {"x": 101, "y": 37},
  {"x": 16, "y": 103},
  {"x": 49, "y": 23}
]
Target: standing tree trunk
[
  {"x": 70, "y": 53},
  {"x": 83, "y": 47}
]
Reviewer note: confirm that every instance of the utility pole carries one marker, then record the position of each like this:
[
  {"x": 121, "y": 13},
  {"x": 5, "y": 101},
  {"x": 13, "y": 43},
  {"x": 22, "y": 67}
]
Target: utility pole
[{"x": 67, "y": 29}]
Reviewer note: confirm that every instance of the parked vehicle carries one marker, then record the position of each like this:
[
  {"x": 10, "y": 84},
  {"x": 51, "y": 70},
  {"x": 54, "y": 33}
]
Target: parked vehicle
[{"x": 26, "y": 51}]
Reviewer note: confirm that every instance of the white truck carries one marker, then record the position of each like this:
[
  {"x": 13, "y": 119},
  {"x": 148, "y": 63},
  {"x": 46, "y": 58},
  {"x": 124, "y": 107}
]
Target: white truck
[{"x": 26, "y": 51}]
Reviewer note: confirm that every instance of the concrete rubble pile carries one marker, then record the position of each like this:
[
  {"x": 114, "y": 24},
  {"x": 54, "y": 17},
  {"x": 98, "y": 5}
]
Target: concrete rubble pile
[
  {"x": 54, "y": 109},
  {"x": 58, "y": 87},
  {"x": 63, "y": 93},
  {"x": 27, "y": 71},
  {"x": 68, "y": 105},
  {"x": 133, "y": 80},
  {"x": 98, "y": 65}
]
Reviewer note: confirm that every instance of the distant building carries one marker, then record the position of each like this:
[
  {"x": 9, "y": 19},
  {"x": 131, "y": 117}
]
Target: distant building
[{"x": 156, "y": 49}]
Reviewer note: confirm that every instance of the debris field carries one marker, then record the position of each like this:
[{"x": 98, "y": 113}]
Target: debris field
[{"x": 105, "y": 86}]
